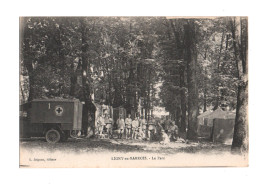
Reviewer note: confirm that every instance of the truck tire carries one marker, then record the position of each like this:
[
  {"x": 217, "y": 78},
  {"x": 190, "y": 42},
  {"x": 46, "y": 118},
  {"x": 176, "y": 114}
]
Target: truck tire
[{"x": 53, "y": 136}]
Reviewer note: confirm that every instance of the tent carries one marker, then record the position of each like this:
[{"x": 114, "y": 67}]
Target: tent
[
  {"x": 205, "y": 120},
  {"x": 201, "y": 117},
  {"x": 223, "y": 130},
  {"x": 207, "y": 117}
]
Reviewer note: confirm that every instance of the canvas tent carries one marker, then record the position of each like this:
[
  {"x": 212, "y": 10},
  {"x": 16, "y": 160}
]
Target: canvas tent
[
  {"x": 205, "y": 121},
  {"x": 201, "y": 117},
  {"x": 207, "y": 117},
  {"x": 223, "y": 130}
]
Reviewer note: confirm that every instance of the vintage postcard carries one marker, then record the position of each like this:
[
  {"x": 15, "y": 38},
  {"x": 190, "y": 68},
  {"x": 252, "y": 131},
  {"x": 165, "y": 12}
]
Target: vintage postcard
[{"x": 133, "y": 92}]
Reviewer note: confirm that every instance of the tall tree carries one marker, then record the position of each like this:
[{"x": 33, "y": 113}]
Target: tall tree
[
  {"x": 85, "y": 71},
  {"x": 190, "y": 57},
  {"x": 239, "y": 30},
  {"x": 180, "y": 53}
]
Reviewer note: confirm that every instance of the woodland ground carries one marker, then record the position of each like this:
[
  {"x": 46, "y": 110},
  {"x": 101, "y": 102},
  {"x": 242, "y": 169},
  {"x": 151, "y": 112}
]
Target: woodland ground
[{"x": 124, "y": 146}]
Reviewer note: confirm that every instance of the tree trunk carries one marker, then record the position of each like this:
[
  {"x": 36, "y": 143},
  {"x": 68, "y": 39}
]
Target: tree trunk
[
  {"x": 204, "y": 100},
  {"x": 118, "y": 94},
  {"x": 182, "y": 79},
  {"x": 84, "y": 72},
  {"x": 22, "y": 93},
  {"x": 62, "y": 60},
  {"x": 205, "y": 92},
  {"x": 31, "y": 83},
  {"x": 240, "y": 138},
  {"x": 177, "y": 117},
  {"x": 130, "y": 96},
  {"x": 191, "y": 61},
  {"x": 239, "y": 34},
  {"x": 183, "y": 100},
  {"x": 28, "y": 60},
  {"x": 73, "y": 80},
  {"x": 218, "y": 99}
]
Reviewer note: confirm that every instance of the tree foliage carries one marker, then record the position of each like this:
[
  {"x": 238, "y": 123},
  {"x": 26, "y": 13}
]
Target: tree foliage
[{"x": 119, "y": 61}]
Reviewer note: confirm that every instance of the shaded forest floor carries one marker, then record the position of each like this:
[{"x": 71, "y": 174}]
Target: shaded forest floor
[{"x": 124, "y": 146}]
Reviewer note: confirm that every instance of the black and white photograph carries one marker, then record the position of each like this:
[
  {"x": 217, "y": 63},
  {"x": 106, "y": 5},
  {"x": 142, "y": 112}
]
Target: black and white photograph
[{"x": 133, "y": 91}]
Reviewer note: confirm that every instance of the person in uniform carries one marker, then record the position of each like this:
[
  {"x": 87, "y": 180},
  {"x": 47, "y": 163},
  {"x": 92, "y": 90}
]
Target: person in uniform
[
  {"x": 159, "y": 126},
  {"x": 162, "y": 121},
  {"x": 101, "y": 123},
  {"x": 158, "y": 129},
  {"x": 173, "y": 131},
  {"x": 151, "y": 127},
  {"x": 91, "y": 129},
  {"x": 167, "y": 124},
  {"x": 128, "y": 126},
  {"x": 121, "y": 126},
  {"x": 109, "y": 126},
  {"x": 165, "y": 138},
  {"x": 143, "y": 124},
  {"x": 135, "y": 125},
  {"x": 139, "y": 131}
]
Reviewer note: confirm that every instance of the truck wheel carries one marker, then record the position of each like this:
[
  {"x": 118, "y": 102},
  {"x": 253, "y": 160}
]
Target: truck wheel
[{"x": 53, "y": 136}]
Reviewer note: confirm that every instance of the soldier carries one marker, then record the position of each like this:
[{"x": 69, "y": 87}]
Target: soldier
[
  {"x": 159, "y": 126},
  {"x": 91, "y": 129},
  {"x": 167, "y": 124},
  {"x": 109, "y": 122},
  {"x": 158, "y": 129},
  {"x": 173, "y": 131},
  {"x": 128, "y": 126},
  {"x": 139, "y": 129},
  {"x": 143, "y": 124},
  {"x": 135, "y": 125},
  {"x": 101, "y": 123},
  {"x": 121, "y": 126},
  {"x": 165, "y": 138},
  {"x": 151, "y": 127}
]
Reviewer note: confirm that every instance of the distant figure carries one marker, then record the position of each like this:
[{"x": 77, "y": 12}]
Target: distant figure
[
  {"x": 128, "y": 126},
  {"x": 167, "y": 124},
  {"x": 143, "y": 124},
  {"x": 173, "y": 131},
  {"x": 158, "y": 128},
  {"x": 162, "y": 122},
  {"x": 91, "y": 128},
  {"x": 101, "y": 123},
  {"x": 165, "y": 138},
  {"x": 135, "y": 125},
  {"x": 121, "y": 126},
  {"x": 151, "y": 127},
  {"x": 109, "y": 126}
]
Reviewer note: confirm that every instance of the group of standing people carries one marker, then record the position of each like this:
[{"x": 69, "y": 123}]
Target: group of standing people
[
  {"x": 105, "y": 122},
  {"x": 137, "y": 128},
  {"x": 142, "y": 129},
  {"x": 133, "y": 128}
]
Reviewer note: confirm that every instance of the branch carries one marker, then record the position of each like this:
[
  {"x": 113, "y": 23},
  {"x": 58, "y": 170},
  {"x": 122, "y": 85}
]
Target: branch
[{"x": 220, "y": 50}]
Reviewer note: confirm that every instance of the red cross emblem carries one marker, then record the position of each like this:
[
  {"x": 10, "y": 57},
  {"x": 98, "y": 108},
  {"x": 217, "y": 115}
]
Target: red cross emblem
[{"x": 58, "y": 110}]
